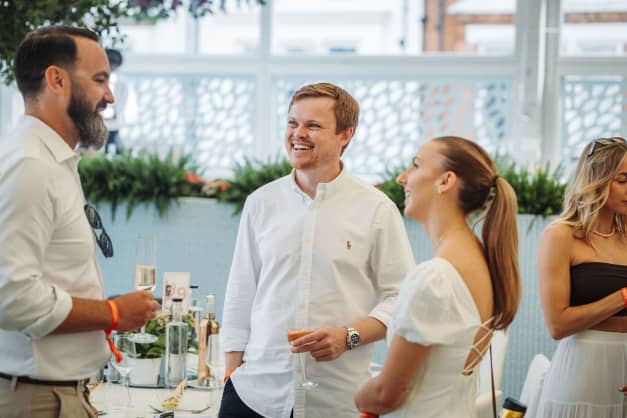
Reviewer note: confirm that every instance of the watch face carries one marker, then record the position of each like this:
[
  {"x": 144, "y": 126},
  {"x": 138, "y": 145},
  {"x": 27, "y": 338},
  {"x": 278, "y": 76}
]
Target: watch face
[{"x": 354, "y": 340}]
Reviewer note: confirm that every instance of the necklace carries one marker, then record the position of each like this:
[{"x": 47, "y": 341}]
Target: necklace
[{"x": 608, "y": 235}]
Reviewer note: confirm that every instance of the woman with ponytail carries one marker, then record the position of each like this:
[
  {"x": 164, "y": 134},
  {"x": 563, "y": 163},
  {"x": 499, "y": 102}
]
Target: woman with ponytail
[
  {"x": 582, "y": 266},
  {"x": 449, "y": 306}
]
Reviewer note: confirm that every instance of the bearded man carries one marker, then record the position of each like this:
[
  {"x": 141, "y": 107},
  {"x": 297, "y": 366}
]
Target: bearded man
[{"x": 52, "y": 308}]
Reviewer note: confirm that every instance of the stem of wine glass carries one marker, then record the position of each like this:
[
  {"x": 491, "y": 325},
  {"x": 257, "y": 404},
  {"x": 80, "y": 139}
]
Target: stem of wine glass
[
  {"x": 128, "y": 390},
  {"x": 301, "y": 359}
]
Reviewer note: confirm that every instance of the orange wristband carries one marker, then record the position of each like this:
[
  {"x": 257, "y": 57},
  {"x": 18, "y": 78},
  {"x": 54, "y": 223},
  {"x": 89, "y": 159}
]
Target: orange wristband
[
  {"x": 367, "y": 415},
  {"x": 115, "y": 321},
  {"x": 115, "y": 316},
  {"x": 228, "y": 374},
  {"x": 624, "y": 292}
]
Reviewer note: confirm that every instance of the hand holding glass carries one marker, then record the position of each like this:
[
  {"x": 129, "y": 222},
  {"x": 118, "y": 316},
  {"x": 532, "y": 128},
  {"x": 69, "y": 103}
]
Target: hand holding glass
[{"x": 293, "y": 333}]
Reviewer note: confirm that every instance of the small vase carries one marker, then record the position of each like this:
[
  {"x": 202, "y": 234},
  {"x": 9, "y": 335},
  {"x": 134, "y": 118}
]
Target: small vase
[{"x": 145, "y": 371}]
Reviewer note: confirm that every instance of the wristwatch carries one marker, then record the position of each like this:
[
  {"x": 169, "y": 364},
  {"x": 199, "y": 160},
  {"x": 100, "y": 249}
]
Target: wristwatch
[{"x": 353, "y": 339}]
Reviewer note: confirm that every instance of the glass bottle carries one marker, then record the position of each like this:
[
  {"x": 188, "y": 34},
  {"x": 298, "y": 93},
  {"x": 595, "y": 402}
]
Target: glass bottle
[
  {"x": 176, "y": 332},
  {"x": 214, "y": 366},
  {"x": 512, "y": 408},
  {"x": 195, "y": 311}
]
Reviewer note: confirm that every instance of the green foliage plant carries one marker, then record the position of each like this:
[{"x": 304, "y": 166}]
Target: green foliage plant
[
  {"x": 539, "y": 190},
  {"x": 19, "y": 17},
  {"x": 138, "y": 179},
  {"x": 156, "y": 327},
  {"x": 155, "y": 10},
  {"x": 391, "y": 188},
  {"x": 251, "y": 175}
]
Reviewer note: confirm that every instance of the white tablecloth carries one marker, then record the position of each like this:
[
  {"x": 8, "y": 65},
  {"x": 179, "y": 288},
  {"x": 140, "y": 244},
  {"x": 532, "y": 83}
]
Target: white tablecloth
[{"x": 111, "y": 399}]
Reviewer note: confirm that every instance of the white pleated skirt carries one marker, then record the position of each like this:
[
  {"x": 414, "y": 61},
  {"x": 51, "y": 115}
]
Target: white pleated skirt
[{"x": 586, "y": 372}]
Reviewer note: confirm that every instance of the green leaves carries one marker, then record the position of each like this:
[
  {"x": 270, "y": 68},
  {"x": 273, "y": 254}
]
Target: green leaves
[
  {"x": 161, "y": 181},
  {"x": 392, "y": 189},
  {"x": 156, "y": 326},
  {"x": 250, "y": 176},
  {"x": 18, "y": 17},
  {"x": 136, "y": 180},
  {"x": 540, "y": 190}
]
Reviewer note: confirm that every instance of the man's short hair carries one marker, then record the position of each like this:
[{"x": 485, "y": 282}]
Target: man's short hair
[
  {"x": 41, "y": 48},
  {"x": 346, "y": 108}
]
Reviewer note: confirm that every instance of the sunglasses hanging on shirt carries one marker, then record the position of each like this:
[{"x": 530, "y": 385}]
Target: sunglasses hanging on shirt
[{"x": 102, "y": 238}]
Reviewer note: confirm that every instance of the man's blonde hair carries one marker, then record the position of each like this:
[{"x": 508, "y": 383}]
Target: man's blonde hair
[{"x": 346, "y": 108}]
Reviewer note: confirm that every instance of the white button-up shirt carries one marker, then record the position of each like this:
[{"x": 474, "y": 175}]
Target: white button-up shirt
[
  {"x": 330, "y": 261},
  {"x": 47, "y": 256}
]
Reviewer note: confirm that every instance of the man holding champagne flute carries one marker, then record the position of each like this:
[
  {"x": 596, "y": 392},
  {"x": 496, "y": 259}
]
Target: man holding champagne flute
[
  {"x": 320, "y": 253},
  {"x": 52, "y": 309}
]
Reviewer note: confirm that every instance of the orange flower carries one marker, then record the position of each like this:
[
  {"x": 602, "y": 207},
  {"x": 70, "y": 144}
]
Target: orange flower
[{"x": 193, "y": 178}]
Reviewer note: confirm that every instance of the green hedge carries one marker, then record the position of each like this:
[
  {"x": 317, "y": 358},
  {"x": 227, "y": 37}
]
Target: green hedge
[
  {"x": 161, "y": 181},
  {"x": 138, "y": 179}
]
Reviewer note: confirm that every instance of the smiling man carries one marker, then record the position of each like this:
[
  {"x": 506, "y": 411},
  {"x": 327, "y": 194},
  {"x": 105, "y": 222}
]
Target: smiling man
[
  {"x": 52, "y": 309},
  {"x": 319, "y": 249}
]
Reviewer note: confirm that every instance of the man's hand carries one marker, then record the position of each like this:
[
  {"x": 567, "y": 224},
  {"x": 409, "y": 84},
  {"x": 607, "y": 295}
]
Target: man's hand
[
  {"x": 624, "y": 390},
  {"x": 135, "y": 309},
  {"x": 324, "y": 344}
]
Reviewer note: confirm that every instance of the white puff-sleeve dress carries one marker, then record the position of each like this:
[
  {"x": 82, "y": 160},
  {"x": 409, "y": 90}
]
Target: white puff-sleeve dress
[{"x": 435, "y": 308}]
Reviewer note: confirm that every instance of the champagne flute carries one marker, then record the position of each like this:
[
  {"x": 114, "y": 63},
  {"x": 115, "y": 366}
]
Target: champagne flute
[
  {"x": 145, "y": 277},
  {"x": 126, "y": 345},
  {"x": 294, "y": 331}
]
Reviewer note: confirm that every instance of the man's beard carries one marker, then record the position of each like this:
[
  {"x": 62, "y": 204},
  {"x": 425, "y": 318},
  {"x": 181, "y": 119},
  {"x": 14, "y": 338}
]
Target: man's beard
[{"x": 92, "y": 131}]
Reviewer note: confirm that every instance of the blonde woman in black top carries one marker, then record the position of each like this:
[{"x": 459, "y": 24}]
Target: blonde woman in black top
[{"x": 582, "y": 265}]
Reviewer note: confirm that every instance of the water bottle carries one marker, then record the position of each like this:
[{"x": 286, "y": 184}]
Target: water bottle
[{"x": 175, "y": 346}]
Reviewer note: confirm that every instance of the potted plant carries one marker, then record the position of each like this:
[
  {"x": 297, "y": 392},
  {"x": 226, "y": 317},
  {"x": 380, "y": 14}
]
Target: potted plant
[{"x": 147, "y": 365}]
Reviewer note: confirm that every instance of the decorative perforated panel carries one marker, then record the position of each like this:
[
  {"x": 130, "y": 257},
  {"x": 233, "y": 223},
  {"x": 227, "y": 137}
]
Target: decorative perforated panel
[
  {"x": 592, "y": 107},
  {"x": 398, "y": 115},
  {"x": 212, "y": 118}
]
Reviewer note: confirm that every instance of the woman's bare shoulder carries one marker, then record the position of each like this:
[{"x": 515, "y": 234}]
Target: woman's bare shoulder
[{"x": 558, "y": 231}]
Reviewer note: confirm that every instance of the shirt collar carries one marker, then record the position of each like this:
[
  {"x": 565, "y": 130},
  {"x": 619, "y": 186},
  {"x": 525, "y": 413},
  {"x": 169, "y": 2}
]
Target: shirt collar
[
  {"x": 59, "y": 149},
  {"x": 323, "y": 190}
]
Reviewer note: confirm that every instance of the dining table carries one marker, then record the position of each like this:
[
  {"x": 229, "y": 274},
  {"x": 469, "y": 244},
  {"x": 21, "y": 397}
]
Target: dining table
[{"x": 111, "y": 401}]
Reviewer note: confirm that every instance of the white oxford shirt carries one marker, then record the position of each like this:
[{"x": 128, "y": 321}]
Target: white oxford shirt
[
  {"x": 47, "y": 256},
  {"x": 330, "y": 261}
]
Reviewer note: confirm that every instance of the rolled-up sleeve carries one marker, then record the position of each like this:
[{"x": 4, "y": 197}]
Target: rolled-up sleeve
[
  {"x": 391, "y": 260},
  {"x": 28, "y": 303},
  {"x": 242, "y": 285}
]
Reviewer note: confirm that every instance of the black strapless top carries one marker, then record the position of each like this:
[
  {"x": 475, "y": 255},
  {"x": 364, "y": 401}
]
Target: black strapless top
[{"x": 592, "y": 281}]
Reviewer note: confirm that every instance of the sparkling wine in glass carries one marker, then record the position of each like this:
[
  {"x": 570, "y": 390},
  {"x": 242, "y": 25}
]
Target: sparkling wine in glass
[
  {"x": 293, "y": 333},
  {"x": 145, "y": 277}
]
